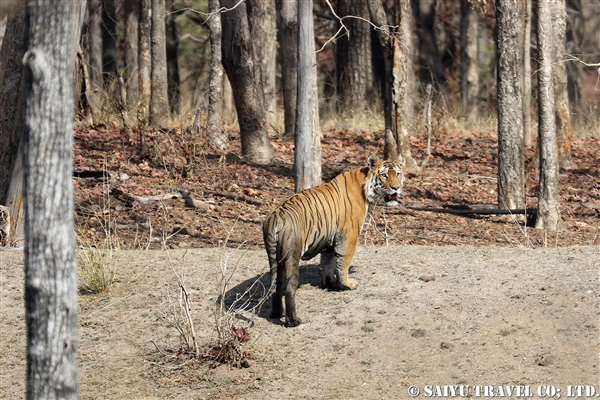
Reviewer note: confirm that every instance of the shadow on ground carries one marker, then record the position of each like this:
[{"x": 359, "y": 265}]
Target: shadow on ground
[{"x": 252, "y": 291}]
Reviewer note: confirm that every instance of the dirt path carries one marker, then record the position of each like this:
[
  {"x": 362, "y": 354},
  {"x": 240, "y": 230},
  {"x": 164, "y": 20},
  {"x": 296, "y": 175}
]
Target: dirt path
[{"x": 486, "y": 319}]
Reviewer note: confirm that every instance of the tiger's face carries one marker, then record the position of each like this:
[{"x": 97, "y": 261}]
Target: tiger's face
[{"x": 385, "y": 180}]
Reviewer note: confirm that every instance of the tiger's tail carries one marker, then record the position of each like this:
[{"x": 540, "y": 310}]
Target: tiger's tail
[{"x": 271, "y": 230}]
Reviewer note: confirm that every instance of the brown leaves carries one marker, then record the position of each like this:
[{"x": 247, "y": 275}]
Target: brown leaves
[{"x": 241, "y": 335}]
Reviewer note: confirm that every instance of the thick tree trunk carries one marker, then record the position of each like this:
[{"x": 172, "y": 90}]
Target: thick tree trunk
[
  {"x": 386, "y": 40},
  {"x": 11, "y": 97},
  {"x": 307, "y": 167},
  {"x": 244, "y": 75},
  {"x": 354, "y": 69},
  {"x": 132, "y": 15},
  {"x": 144, "y": 60},
  {"x": 431, "y": 69},
  {"x": 172, "y": 63},
  {"x": 215, "y": 134},
  {"x": 159, "y": 92},
  {"x": 548, "y": 216},
  {"x": 564, "y": 130},
  {"x": 263, "y": 28},
  {"x": 287, "y": 20},
  {"x": 469, "y": 61},
  {"x": 50, "y": 257},
  {"x": 404, "y": 85},
  {"x": 511, "y": 178}
]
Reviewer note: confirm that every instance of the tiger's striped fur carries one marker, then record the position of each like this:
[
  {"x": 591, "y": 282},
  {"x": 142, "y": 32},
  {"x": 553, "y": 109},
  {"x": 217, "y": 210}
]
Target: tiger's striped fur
[{"x": 325, "y": 220}]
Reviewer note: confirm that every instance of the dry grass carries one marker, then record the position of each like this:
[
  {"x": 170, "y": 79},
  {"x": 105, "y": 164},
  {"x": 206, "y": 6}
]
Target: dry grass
[
  {"x": 233, "y": 318},
  {"x": 96, "y": 272}
]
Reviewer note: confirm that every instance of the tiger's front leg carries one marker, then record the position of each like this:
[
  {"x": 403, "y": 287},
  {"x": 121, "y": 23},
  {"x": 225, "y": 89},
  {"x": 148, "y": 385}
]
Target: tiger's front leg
[{"x": 344, "y": 255}]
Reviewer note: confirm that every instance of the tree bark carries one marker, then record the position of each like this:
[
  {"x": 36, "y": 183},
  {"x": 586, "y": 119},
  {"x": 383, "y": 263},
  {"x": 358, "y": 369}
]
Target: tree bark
[
  {"x": 386, "y": 40},
  {"x": 244, "y": 75},
  {"x": 548, "y": 215},
  {"x": 94, "y": 51},
  {"x": 144, "y": 60},
  {"x": 511, "y": 180},
  {"x": 11, "y": 97},
  {"x": 308, "y": 135},
  {"x": 404, "y": 85},
  {"x": 172, "y": 63},
  {"x": 263, "y": 28},
  {"x": 132, "y": 16},
  {"x": 430, "y": 69},
  {"x": 216, "y": 136},
  {"x": 469, "y": 61},
  {"x": 354, "y": 69},
  {"x": 50, "y": 257},
  {"x": 575, "y": 35},
  {"x": 527, "y": 74},
  {"x": 159, "y": 92},
  {"x": 287, "y": 21},
  {"x": 110, "y": 56},
  {"x": 564, "y": 130}
]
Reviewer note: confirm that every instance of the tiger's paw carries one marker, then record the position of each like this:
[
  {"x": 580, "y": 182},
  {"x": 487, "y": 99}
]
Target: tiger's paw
[
  {"x": 350, "y": 284},
  {"x": 292, "y": 322}
]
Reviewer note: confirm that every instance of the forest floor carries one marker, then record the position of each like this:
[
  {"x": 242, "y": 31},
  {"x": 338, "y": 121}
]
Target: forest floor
[
  {"x": 443, "y": 299},
  {"x": 218, "y": 199}
]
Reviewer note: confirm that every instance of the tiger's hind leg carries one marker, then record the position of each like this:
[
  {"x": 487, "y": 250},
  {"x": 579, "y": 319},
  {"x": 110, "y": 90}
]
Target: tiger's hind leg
[
  {"x": 292, "y": 269},
  {"x": 277, "y": 299},
  {"x": 328, "y": 278}
]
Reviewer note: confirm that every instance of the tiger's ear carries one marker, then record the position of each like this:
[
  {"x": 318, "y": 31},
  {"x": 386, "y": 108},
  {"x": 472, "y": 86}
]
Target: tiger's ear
[{"x": 372, "y": 161}]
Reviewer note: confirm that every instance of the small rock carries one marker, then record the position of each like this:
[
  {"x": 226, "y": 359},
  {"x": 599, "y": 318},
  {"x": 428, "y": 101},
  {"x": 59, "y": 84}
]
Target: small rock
[
  {"x": 546, "y": 359},
  {"x": 418, "y": 333},
  {"x": 427, "y": 278},
  {"x": 446, "y": 345}
]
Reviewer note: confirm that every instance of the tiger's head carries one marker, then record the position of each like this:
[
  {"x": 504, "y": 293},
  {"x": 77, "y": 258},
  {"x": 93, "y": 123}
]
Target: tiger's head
[{"x": 384, "y": 180}]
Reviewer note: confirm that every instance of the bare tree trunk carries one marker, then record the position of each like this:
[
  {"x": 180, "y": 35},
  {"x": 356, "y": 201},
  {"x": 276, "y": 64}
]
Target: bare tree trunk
[
  {"x": 11, "y": 97},
  {"x": 172, "y": 63},
  {"x": 244, "y": 75},
  {"x": 354, "y": 55},
  {"x": 94, "y": 51},
  {"x": 469, "y": 61},
  {"x": 50, "y": 257},
  {"x": 316, "y": 169},
  {"x": 132, "y": 14},
  {"x": 215, "y": 134},
  {"x": 564, "y": 130},
  {"x": 430, "y": 61},
  {"x": 404, "y": 85},
  {"x": 307, "y": 152},
  {"x": 110, "y": 58},
  {"x": 263, "y": 28},
  {"x": 144, "y": 60},
  {"x": 287, "y": 19},
  {"x": 511, "y": 178},
  {"x": 527, "y": 75},
  {"x": 548, "y": 216},
  {"x": 386, "y": 40},
  {"x": 575, "y": 35},
  {"x": 159, "y": 92}
]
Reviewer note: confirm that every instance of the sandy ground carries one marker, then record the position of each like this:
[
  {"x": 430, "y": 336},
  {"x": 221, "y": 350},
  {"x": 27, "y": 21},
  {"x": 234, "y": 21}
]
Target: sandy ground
[{"x": 491, "y": 316}]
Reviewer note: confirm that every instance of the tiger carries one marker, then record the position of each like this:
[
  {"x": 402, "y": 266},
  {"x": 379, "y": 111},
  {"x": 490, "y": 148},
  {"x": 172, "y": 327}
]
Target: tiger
[{"x": 327, "y": 220}]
